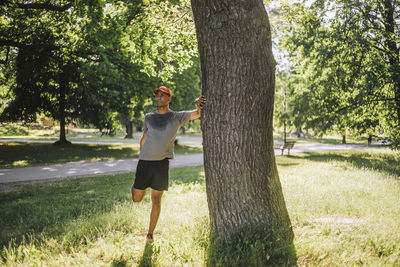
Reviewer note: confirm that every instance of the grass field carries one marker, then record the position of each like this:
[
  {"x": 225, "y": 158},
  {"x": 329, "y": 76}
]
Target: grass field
[
  {"x": 38, "y": 131},
  {"x": 30, "y": 154},
  {"x": 344, "y": 207}
]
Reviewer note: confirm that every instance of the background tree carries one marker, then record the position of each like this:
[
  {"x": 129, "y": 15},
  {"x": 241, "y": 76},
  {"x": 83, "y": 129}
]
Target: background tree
[
  {"x": 283, "y": 111},
  {"x": 238, "y": 75},
  {"x": 341, "y": 52},
  {"x": 88, "y": 63}
]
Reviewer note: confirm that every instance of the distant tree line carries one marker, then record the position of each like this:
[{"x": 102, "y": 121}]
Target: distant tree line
[
  {"x": 345, "y": 67},
  {"x": 94, "y": 62}
]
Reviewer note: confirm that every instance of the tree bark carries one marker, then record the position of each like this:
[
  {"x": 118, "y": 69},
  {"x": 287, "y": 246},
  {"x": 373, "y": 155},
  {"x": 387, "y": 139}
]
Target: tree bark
[
  {"x": 238, "y": 79},
  {"x": 284, "y": 131},
  {"x": 129, "y": 130},
  {"x": 369, "y": 139},
  {"x": 63, "y": 84}
]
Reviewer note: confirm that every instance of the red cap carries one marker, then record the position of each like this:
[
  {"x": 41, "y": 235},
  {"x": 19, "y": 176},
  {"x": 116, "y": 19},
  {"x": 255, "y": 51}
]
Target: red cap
[{"x": 163, "y": 89}]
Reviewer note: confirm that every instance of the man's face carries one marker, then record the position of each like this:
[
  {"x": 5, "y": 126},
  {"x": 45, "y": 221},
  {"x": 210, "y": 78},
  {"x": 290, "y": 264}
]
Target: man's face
[{"x": 162, "y": 99}]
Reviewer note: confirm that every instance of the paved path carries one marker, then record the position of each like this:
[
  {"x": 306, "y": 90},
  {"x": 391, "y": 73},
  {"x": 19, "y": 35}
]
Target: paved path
[
  {"x": 12, "y": 176},
  {"x": 313, "y": 147},
  {"x": 83, "y": 169},
  {"x": 188, "y": 140}
]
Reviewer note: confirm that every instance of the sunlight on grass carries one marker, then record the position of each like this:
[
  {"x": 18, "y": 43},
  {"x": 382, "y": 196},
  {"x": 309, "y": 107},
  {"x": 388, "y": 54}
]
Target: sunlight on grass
[
  {"x": 20, "y": 163},
  {"x": 340, "y": 187},
  {"x": 30, "y": 154},
  {"x": 344, "y": 207}
]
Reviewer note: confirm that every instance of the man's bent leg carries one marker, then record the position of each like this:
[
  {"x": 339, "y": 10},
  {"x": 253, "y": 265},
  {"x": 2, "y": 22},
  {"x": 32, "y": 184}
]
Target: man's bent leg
[
  {"x": 137, "y": 194},
  {"x": 155, "y": 209}
]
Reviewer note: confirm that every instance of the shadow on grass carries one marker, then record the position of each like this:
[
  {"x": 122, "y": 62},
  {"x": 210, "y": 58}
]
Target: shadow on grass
[
  {"x": 119, "y": 262},
  {"x": 28, "y": 154},
  {"x": 389, "y": 163},
  {"x": 287, "y": 164},
  {"x": 52, "y": 208},
  {"x": 150, "y": 255}
]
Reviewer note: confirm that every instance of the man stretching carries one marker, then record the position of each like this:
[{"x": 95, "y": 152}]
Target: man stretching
[{"x": 156, "y": 148}]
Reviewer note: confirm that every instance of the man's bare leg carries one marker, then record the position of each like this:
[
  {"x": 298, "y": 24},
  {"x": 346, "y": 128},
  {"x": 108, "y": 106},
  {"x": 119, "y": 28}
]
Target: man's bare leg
[
  {"x": 155, "y": 209},
  {"x": 137, "y": 194}
]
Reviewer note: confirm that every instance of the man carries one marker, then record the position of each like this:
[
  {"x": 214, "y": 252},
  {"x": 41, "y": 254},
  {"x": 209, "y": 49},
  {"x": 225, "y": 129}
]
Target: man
[{"x": 156, "y": 148}]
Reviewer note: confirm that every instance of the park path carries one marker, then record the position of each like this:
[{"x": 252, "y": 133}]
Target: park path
[
  {"x": 12, "y": 176},
  {"x": 84, "y": 168}
]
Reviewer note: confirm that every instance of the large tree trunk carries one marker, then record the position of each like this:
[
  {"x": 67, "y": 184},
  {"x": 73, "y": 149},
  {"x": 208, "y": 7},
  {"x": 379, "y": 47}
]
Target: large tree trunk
[{"x": 238, "y": 79}]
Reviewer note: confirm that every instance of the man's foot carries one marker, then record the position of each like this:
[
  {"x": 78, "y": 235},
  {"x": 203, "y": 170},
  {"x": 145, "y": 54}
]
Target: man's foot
[{"x": 149, "y": 237}]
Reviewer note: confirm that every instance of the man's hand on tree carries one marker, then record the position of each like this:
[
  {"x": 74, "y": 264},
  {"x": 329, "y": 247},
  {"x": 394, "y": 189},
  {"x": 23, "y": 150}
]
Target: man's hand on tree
[{"x": 200, "y": 102}]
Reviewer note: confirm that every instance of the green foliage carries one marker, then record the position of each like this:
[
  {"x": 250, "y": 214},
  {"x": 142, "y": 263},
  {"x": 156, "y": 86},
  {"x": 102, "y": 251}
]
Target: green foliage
[
  {"x": 91, "y": 63},
  {"x": 162, "y": 38},
  {"x": 12, "y": 130},
  {"x": 187, "y": 87},
  {"x": 342, "y": 66}
]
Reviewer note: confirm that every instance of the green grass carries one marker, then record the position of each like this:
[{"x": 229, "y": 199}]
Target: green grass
[
  {"x": 344, "y": 207},
  {"x": 30, "y": 154},
  {"x": 37, "y": 131}
]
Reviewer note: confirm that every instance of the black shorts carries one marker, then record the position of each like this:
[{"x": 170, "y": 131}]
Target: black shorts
[{"x": 152, "y": 173}]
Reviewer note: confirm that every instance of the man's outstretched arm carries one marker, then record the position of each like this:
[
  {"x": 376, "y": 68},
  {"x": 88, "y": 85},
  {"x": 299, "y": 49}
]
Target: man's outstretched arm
[
  {"x": 199, "y": 102},
  {"x": 142, "y": 141}
]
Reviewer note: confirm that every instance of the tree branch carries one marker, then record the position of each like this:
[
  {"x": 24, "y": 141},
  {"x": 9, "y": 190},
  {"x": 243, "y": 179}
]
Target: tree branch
[
  {"x": 6, "y": 60},
  {"x": 379, "y": 48},
  {"x": 6, "y": 42},
  {"x": 382, "y": 99},
  {"x": 181, "y": 17},
  {"x": 90, "y": 56},
  {"x": 357, "y": 104},
  {"x": 45, "y": 6}
]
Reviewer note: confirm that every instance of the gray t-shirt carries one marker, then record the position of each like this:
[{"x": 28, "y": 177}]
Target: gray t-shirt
[{"x": 161, "y": 131}]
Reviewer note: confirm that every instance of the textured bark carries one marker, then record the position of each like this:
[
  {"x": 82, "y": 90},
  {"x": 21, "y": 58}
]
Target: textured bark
[
  {"x": 129, "y": 130},
  {"x": 238, "y": 79},
  {"x": 63, "y": 83}
]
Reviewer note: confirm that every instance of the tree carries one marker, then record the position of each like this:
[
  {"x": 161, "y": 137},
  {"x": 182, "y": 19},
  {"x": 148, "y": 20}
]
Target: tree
[
  {"x": 90, "y": 62},
  {"x": 238, "y": 76},
  {"x": 347, "y": 65},
  {"x": 50, "y": 56},
  {"x": 283, "y": 96},
  {"x": 161, "y": 39}
]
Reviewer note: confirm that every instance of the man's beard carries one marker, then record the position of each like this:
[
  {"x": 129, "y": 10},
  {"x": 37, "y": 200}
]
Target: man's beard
[{"x": 162, "y": 105}]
